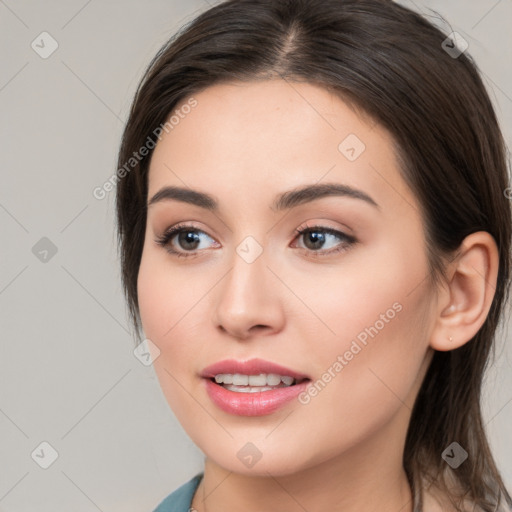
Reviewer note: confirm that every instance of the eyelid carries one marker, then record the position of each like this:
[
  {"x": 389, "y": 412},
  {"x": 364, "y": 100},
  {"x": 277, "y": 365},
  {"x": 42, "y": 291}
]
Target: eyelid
[{"x": 323, "y": 225}]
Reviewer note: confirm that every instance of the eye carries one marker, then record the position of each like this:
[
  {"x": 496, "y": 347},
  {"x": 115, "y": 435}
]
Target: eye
[
  {"x": 187, "y": 236},
  {"x": 315, "y": 238}
]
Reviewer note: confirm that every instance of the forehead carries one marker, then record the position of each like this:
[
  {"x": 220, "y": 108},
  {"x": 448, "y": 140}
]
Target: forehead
[{"x": 251, "y": 140}]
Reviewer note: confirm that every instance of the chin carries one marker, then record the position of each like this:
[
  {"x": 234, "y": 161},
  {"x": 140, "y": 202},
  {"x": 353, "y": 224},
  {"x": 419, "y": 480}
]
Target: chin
[{"x": 259, "y": 457}]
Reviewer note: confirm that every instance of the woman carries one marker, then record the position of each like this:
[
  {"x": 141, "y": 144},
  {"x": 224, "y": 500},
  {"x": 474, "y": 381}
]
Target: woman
[{"x": 315, "y": 239}]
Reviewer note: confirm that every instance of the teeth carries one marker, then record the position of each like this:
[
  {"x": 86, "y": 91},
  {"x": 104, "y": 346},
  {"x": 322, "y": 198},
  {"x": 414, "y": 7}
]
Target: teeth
[
  {"x": 273, "y": 379},
  {"x": 247, "y": 389},
  {"x": 240, "y": 380},
  {"x": 257, "y": 380},
  {"x": 261, "y": 381}
]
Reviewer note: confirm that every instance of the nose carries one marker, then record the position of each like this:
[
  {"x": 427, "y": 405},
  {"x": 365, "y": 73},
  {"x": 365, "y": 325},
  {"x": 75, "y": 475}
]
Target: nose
[{"x": 248, "y": 301}]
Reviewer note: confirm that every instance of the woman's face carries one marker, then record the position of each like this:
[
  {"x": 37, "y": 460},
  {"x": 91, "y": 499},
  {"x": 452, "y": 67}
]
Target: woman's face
[{"x": 346, "y": 304}]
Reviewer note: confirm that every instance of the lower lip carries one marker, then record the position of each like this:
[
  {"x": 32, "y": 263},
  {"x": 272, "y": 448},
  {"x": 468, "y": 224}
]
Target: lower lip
[{"x": 252, "y": 404}]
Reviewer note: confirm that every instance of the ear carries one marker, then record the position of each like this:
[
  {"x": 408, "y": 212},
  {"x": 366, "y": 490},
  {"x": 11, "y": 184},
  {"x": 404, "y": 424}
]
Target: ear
[{"x": 464, "y": 303}]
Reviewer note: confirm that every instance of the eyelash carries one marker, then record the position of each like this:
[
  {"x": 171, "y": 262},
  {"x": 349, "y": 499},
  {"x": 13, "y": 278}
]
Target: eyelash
[{"x": 167, "y": 236}]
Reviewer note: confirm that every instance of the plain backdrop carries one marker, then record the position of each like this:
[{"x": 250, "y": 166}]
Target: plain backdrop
[{"x": 68, "y": 374}]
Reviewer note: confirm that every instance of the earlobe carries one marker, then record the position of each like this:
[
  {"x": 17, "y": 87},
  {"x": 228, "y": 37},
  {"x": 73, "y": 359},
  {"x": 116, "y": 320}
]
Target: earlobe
[{"x": 465, "y": 302}]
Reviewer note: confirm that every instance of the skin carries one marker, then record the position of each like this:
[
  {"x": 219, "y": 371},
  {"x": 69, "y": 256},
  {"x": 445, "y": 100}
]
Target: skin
[{"x": 244, "y": 143}]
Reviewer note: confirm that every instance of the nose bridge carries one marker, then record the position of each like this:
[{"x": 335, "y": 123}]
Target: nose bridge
[
  {"x": 246, "y": 282},
  {"x": 247, "y": 296}
]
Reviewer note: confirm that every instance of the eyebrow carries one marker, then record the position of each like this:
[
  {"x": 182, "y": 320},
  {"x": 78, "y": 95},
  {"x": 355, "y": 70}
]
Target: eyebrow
[{"x": 284, "y": 201}]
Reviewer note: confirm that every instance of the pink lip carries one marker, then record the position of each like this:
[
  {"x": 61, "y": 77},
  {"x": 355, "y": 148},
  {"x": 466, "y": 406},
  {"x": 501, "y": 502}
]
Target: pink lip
[
  {"x": 252, "y": 404},
  {"x": 251, "y": 367}
]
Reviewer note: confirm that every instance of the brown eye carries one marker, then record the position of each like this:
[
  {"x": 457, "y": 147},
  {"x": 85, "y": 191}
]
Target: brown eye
[
  {"x": 316, "y": 237},
  {"x": 186, "y": 237}
]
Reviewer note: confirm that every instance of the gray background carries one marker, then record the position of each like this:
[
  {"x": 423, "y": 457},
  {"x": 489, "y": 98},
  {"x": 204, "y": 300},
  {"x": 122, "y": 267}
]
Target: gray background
[{"x": 68, "y": 373}]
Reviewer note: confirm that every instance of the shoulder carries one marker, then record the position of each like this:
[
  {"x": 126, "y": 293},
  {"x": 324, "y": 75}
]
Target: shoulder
[{"x": 180, "y": 500}]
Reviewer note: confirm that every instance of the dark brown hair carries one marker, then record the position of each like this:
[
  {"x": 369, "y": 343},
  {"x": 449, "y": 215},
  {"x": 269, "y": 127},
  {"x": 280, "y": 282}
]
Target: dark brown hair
[{"x": 391, "y": 64}]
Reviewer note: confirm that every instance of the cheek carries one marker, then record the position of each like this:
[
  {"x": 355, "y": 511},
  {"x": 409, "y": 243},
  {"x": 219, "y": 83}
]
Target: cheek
[
  {"x": 167, "y": 309},
  {"x": 163, "y": 304},
  {"x": 381, "y": 319},
  {"x": 154, "y": 300},
  {"x": 167, "y": 297},
  {"x": 174, "y": 307},
  {"x": 372, "y": 294}
]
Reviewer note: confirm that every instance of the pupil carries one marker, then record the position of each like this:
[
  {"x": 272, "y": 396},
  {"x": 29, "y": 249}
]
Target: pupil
[
  {"x": 316, "y": 237},
  {"x": 188, "y": 237}
]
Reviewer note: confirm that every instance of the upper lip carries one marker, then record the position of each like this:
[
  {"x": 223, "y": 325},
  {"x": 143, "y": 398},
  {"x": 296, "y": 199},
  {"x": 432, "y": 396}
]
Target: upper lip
[{"x": 250, "y": 367}]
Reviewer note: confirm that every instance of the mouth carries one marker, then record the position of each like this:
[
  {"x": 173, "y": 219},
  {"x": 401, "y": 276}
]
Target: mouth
[
  {"x": 243, "y": 376},
  {"x": 252, "y": 388}
]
